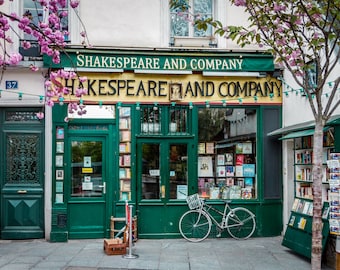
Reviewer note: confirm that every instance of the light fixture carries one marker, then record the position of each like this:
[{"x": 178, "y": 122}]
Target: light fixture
[
  {"x": 137, "y": 106},
  {"x": 0, "y": 93},
  {"x": 240, "y": 100},
  {"x": 20, "y": 96},
  {"x": 155, "y": 108},
  {"x": 255, "y": 98},
  {"x": 173, "y": 104},
  {"x": 119, "y": 105},
  {"x": 100, "y": 103},
  {"x": 224, "y": 103},
  {"x": 207, "y": 105},
  {"x": 41, "y": 99},
  {"x": 61, "y": 101},
  {"x": 191, "y": 106}
]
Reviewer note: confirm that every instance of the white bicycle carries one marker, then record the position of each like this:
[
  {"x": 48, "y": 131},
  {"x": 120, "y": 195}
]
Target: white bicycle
[{"x": 195, "y": 224}]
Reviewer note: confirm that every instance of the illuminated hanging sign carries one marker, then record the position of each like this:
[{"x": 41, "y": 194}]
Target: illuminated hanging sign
[{"x": 165, "y": 61}]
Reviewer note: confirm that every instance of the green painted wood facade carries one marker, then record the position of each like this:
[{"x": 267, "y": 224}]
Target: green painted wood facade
[
  {"x": 157, "y": 218},
  {"x": 22, "y": 178}
]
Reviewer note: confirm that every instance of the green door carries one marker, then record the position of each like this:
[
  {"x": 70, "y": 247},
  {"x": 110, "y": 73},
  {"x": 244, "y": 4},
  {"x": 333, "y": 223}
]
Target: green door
[
  {"x": 21, "y": 174},
  {"x": 87, "y": 207},
  {"x": 162, "y": 183}
]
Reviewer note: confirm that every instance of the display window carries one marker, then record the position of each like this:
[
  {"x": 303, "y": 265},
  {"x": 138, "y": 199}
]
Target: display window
[{"x": 227, "y": 153}]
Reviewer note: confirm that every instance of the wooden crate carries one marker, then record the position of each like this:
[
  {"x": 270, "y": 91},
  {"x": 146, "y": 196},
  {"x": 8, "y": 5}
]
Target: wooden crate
[{"x": 112, "y": 248}]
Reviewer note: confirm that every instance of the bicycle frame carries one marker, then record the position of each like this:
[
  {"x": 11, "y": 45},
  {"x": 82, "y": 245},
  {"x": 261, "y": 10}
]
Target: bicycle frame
[{"x": 207, "y": 208}]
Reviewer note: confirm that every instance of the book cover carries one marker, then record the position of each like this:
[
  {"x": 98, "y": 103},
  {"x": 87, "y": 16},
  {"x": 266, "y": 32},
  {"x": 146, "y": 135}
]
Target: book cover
[
  {"x": 127, "y": 160},
  {"x": 239, "y": 159},
  {"x": 230, "y": 171},
  {"x": 239, "y": 171},
  {"x": 248, "y": 170},
  {"x": 220, "y": 160},
  {"x": 291, "y": 221},
  {"x": 220, "y": 171},
  {"x": 295, "y": 204},
  {"x": 209, "y": 148},
  {"x": 248, "y": 182},
  {"x": 125, "y": 135},
  {"x": 229, "y": 158},
  {"x": 201, "y": 148},
  {"x": 302, "y": 223}
]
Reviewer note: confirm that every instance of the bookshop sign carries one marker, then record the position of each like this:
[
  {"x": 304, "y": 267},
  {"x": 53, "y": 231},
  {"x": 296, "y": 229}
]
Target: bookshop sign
[
  {"x": 160, "y": 61},
  {"x": 159, "y": 88}
]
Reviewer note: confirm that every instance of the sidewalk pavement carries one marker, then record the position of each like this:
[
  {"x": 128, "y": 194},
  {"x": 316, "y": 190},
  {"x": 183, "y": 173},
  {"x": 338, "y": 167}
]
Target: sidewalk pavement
[{"x": 154, "y": 254}]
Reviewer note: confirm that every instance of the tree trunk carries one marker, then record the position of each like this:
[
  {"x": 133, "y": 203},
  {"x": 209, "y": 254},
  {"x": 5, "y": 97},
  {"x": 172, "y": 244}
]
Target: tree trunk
[{"x": 317, "y": 195}]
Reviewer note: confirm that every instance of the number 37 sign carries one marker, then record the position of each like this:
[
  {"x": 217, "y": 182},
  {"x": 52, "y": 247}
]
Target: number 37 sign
[{"x": 11, "y": 84}]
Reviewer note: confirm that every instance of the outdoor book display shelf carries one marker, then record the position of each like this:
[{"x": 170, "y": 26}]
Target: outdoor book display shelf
[
  {"x": 298, "y": 235},
  {"x": 125, "y": 153}
]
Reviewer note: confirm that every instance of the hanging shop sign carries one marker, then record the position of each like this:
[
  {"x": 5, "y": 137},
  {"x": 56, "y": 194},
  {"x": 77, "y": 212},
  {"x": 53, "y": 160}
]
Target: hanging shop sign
[
  {"x": 130, "y": 87},
  {"x": 163, "y": 61}
]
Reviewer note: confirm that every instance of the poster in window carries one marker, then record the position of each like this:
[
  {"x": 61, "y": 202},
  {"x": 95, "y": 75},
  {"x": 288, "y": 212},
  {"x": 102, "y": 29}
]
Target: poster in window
[
  {"x": 205, "y": 168},
  {"x": 60, "y": 133},
  {"x": 209, "y": 148},
  {"x": 60, "y": 147},
  {"x": 182, "y": 192},
  {"x": 59, "y": 174},
  {"x": 59, "y": 186},
  {"x": 59, "y": 160}
]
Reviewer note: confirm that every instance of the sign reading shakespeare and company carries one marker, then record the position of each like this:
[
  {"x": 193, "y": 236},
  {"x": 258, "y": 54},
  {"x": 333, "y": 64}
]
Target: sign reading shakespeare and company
[
  {"x": 130, "y": 87},
  {"x": 160, "y": 60}
]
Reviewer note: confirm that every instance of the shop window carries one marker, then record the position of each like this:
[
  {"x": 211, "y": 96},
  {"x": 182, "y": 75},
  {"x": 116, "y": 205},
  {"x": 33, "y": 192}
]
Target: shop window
[
  {"x": 178, "y": 119},
  {"x": 183, "y": 32},
  {"x": 227, "y": 153},
  {"x": 150, "y": 119}
]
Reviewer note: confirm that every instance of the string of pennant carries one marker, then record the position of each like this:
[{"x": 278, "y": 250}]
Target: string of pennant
[{"x": 301, "y": 91}]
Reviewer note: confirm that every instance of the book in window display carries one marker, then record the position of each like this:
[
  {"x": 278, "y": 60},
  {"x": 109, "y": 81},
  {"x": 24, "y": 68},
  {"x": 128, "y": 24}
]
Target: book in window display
[
  {"x": 201, "y": 148},
  {"x": 229, "y": 158},
  {"x": 209, "y": 148},
  {"x": 220, "y": 159}
]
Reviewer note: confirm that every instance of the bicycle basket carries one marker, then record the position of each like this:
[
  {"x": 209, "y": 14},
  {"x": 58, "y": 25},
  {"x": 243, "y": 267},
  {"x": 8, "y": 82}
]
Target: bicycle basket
[{"x": 194, "y": 201}]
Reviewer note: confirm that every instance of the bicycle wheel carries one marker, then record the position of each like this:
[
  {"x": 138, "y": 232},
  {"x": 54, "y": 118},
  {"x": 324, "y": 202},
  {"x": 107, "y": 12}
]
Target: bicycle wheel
[
  {"x": 195, "y": 225},
  {"x": 240, "y": 223}
]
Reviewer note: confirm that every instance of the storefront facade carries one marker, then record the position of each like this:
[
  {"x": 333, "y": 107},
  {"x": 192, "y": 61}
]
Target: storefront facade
[{"x": 160, "y": 126}]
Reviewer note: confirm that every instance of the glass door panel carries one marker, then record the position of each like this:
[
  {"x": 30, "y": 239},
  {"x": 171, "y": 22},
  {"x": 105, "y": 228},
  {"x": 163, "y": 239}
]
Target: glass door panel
[
  {"x": 178, "y": 171},
  {"x": 151, "y": 171},
  {"x": 87, "y": 171}
]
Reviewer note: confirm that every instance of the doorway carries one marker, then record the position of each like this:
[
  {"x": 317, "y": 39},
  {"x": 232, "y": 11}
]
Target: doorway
[
  {"x": 21, "y": 174},
  {"x": 163, "y": 169},
  {"x": 89, "y": 178}
]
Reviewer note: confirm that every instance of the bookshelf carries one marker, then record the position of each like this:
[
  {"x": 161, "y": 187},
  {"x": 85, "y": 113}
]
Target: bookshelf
[
  {"x": 227, "y": 171},
  {"x": 298, "y": 235},
  {"x": 333, "y": 165},
  {"x": 125, "y": 153}
]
